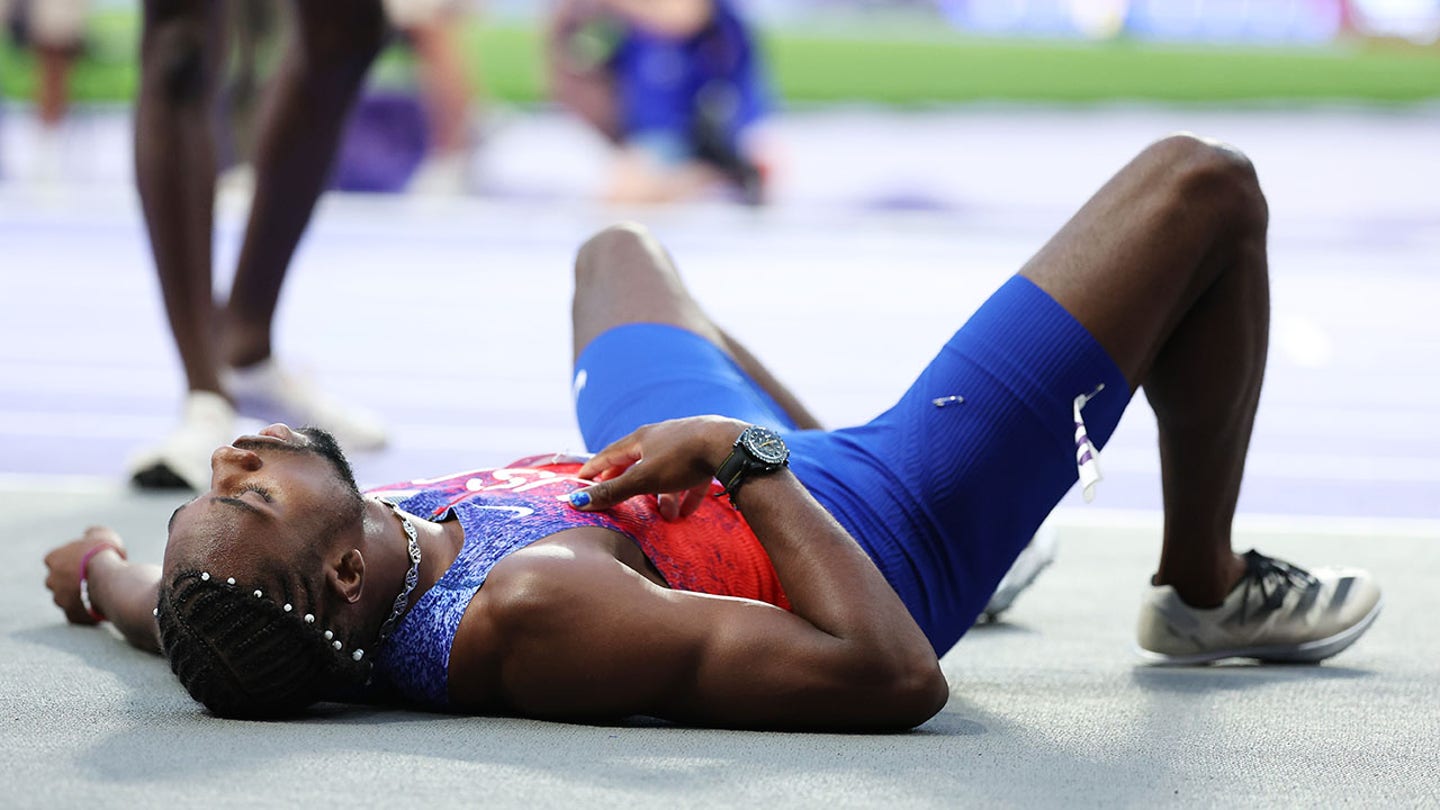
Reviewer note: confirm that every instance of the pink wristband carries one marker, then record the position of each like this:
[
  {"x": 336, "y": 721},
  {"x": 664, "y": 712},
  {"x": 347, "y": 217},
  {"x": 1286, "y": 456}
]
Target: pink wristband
[{"x": 84, "y": 578}]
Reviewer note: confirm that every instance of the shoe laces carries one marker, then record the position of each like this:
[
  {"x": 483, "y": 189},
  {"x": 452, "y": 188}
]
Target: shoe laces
[{"x": 1274, "y": 579}]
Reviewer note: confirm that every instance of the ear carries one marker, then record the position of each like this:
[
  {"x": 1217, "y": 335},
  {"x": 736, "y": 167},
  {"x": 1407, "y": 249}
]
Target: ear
[{"x": 347, "y": 578}]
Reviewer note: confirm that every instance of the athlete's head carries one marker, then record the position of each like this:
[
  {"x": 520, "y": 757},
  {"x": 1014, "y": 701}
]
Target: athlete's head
[{"x": 254, "y": 592}]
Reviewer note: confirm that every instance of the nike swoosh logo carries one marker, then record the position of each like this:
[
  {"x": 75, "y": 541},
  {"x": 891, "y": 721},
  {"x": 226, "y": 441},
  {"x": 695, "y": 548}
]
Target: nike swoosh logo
[{"x": 519, "y": 511}]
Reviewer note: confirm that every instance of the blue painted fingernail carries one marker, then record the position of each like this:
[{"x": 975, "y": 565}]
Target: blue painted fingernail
[{"x": 579, "y": 499}]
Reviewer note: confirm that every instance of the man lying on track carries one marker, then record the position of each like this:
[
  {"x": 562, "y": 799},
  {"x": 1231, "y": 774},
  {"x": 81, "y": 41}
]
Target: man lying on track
[{"x": 819, "y": 593}]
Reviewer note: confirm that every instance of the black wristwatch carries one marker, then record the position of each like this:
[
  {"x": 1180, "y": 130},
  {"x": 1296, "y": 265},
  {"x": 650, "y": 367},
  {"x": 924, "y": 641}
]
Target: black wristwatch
[{"x": 758, "y": 451}]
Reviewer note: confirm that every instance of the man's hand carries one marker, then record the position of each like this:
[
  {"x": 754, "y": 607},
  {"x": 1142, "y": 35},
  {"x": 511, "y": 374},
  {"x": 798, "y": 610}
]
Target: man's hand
[
  {"x": 63, "y": 564},
  {"x": 674, "y": 460}
]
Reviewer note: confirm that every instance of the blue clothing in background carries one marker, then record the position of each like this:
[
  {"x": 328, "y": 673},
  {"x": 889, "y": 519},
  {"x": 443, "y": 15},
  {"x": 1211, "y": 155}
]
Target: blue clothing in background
[{"x": 677, "y": 95}]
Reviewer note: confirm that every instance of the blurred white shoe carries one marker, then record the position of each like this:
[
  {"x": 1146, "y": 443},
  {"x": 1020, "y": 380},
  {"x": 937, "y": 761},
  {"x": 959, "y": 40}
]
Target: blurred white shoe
[
  {"x": 445, "y": 175},
  {"x": 1033, "y": 559},
  {"x": 267, "y": 392},
  {"x": 182, "y": 460}
]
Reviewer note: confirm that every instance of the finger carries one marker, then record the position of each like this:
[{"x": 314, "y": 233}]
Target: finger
[
  {"x": 611, "y": 461},
  {"x": 606, "y": 494},
  {"x": 693, "y": 499},
  {"x": 77, "y": 615},
  {"x": 669, "y": 506},
  {"x": 74, "y": 612},
  {"x": 102, "y": 534}
]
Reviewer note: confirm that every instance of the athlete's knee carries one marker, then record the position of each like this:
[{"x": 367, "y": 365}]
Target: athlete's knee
[
  {"x": 620, "y": 236},
  {"x": 174, "y": 58},
  {"x": 341, "y": 35},
  {"x": 618, "y": 249},
  {"x": 1208, "y": 178}
]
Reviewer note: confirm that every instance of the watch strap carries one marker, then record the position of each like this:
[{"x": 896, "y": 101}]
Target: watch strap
[{"x": 737, "y": 467}]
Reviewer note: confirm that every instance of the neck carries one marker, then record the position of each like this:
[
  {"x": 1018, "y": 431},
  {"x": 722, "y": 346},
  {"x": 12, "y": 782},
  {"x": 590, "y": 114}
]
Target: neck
[{"x": 439, "y": 546}]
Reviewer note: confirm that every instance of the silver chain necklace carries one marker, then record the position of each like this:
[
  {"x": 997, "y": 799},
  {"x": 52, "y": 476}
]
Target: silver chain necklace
[{"x": 411, "y": 578}]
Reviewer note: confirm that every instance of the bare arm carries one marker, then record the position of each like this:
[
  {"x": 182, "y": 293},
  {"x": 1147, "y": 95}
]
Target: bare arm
[
  {"x": 123, "y": 592},
  {"x": 592, "y": 637}
]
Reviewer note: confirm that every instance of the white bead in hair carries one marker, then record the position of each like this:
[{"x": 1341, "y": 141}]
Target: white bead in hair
[
  {"x": 338, "y": 645},
  {"x": 204, "y": 576},
  {"x": 358, "y": 654},
  {"x": 258, "y": 594},
  {"x": 288, "y": 607},
  {"x": 309, "y": 618},
  {"x": 230, "y": 581},
  {"x": 329, "y": 635},
  {"x": 154, "y": 611}
]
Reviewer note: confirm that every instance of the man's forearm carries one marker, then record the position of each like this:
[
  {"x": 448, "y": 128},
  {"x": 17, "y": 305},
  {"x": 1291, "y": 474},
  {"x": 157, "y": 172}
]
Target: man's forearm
[
  {"x": 830, "y": 581},
  {"x": 126, "y": 595}
]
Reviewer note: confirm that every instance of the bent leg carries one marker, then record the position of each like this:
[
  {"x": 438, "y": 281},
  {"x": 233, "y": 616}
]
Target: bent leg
[
  {"x": 298, "y": 134},
  {"x": 180, "y": 50},
  {"x": 1166, "y": 268},
  {"x": 623, "y": 276}
]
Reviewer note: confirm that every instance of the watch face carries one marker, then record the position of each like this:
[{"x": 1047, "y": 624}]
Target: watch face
[{"x": 765, "y": 445}]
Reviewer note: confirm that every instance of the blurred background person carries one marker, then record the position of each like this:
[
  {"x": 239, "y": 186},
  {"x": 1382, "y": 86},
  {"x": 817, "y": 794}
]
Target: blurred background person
[
  {"x": 55, "y": 31},
  {"x": 226, "y": 349},
  {"x": 432, "y": 29},
  {"x": 677, "y": 85}
]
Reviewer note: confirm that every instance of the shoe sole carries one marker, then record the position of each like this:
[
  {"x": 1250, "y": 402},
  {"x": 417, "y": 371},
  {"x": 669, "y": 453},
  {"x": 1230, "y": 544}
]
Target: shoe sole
[
  {"x": 1307, "y": 653},
  {"x": 992, "y": 611}
]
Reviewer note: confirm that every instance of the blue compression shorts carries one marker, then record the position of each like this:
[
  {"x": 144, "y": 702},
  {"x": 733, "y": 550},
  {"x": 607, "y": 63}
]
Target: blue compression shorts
[{"x": 942, "y": 498}]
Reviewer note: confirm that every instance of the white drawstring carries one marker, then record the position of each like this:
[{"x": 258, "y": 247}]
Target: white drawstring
[{"x": 1087, "y": 458}]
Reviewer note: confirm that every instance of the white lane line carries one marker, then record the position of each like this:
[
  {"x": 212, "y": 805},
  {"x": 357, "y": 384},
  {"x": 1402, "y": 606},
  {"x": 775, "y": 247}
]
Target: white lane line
[
  {"x": 1331, "y": 466},
  {"x": 1257, "y": 523},
  {"x": 1319, "y": 466},
  {"x": 1380, "y": 528},
  {"x": 61, "y": 483}
]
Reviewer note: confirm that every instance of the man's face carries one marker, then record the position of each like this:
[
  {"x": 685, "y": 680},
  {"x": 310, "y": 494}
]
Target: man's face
[{"x": 272, "y": 495}]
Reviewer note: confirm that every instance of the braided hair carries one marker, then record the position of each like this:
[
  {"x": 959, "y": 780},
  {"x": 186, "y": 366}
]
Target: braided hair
[
  {"x": 246, "y": 653},
  {"x": 262, "y": 649}
]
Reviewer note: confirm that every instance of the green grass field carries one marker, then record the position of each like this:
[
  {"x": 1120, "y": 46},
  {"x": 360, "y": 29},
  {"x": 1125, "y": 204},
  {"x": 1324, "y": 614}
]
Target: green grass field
[{"x": 907, "y": 66}]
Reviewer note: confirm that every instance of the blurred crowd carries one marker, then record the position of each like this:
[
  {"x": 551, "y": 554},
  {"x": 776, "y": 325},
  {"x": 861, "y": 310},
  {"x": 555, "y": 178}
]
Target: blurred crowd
[{"x": 677, "y": 87}]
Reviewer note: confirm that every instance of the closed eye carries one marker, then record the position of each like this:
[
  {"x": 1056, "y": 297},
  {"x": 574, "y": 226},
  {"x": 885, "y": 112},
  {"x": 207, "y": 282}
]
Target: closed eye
[{"x": 258, "y": 490}]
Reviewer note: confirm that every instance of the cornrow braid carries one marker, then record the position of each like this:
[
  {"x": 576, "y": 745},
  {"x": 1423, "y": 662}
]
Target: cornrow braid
[{"x": 249, "y": 656}]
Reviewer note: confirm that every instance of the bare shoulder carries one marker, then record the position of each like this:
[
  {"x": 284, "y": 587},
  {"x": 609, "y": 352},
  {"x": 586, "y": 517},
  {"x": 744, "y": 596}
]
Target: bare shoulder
[
  {"x": 540, "y": 592},
  {"x": 551, "y": 624},
  {"x": 550, "y": 578}
]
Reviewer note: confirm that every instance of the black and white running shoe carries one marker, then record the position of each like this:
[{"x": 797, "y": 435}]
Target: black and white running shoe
[{"x": 1277, "y": 612}]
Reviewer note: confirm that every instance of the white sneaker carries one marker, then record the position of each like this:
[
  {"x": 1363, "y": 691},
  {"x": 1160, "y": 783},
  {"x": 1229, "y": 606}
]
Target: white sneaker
[
  {"x": 1277, "y": 612},
  {"x": 183, "y": 459},
  {"x": 442, "y": 175},
  {"x": 268, "y": 392},
  {"x": 1033, "y": 559}
]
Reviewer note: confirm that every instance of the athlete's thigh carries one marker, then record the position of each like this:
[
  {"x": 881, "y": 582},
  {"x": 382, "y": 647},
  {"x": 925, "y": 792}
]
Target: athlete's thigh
[{"x": 640, "y": 373}]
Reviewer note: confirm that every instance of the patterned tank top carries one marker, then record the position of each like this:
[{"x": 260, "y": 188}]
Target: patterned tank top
[{"x": 503, "y": 510}]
